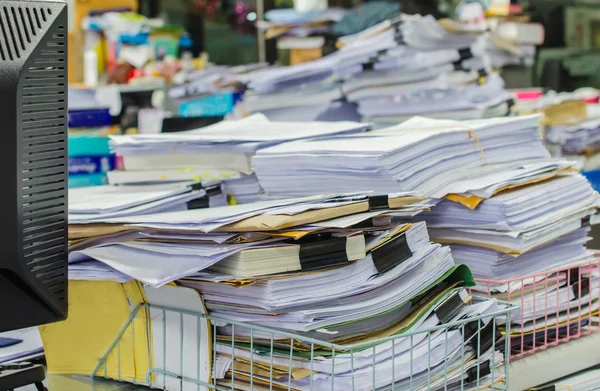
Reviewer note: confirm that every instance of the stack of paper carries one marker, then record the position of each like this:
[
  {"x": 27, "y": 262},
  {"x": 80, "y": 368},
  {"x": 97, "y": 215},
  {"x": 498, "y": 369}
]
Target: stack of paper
[
  {"x": 260, "y": 264},
  {"x": 434, "y": 157},
  {"x": 103, "y": 202},
  {"x": 138, "y": 245},
  {"x": 402, "y": 67},
  {"x": 514, "y": 243},
  {"x": 214, "y": 153},
  {"x": 572, "y": 124}
]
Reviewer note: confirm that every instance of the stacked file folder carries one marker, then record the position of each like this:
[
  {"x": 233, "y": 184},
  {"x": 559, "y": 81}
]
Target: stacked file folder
[
  {"x": 389, "y": 72},
  {"x": 220, "y": 152},
  {"x": 470, "y": 159},
  {"x": 521, "y": 244},
  {"x": 330, "y": 270}
]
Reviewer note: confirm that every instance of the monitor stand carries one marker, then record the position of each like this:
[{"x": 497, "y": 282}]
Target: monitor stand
[{"x": 13, "y": 376}]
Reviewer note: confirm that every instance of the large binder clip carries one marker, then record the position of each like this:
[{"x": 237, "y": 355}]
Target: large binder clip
[
  {"x": 368, "y": 66},
  {"x": 586, "y": 221},
  {"x": 390, "y": 254},
  {"x": 479, "y": 371},
  {"x": 324, "y": 251},
  {"x": 489, "y": 335},
  {"x": 465, "y": 54},
  {"x": 378, "y": 202},
  {"x": 198, "y": 203},
  {"x": 213, "y": 190},
  {"x": 446, "y": 310}
]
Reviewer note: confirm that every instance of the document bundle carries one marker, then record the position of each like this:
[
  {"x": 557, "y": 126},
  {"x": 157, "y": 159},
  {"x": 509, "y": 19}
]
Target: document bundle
[
  {"x": 408, "y": 65},
  {"x": 332, "y": 270},
  {"x": 514, "y": 243},
  {"x": 572, "y": 125},
  {"x": 220, "y": 152},
  {"x": 469, "y": 159}
]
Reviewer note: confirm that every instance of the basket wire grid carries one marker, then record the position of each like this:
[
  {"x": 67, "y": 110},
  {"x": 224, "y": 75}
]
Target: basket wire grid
[
  {"x": 544, "y": 319},
  {"x": 479, "y": 338}
]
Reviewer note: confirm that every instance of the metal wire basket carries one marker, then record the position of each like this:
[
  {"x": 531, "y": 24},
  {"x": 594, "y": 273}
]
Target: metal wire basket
[
  {"x": 556, "y": 306},
  {"x": 465, "y": 354}
]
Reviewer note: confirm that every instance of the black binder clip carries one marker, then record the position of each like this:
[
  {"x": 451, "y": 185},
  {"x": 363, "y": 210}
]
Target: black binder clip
[
  {"x": 399, "y": 38},
  {"x": 510, "y": 103},
  {"x": 478, "y": 371},
  {"x": 489, "y": 335},
  {"x": 213, "y": 190},
  {"x": 465, "y": 54},
  {"x": 578, "y": 283},
  {"x": 458, "y": 66},
  {"x": 378, "y": 202},
  {"x": 586, "y": 221},
  {"x": 198, "y": 203},
  {"x": 449, "y": 308},
  {"x": 390, "y": 254},
  {"x": 196, "y": 186},
  {"x": 322, "y": 251},
  {"x": 368, "y": 66}
]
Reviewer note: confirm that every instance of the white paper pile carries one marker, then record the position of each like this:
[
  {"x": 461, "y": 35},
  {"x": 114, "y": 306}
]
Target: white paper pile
[
  {"x": 407, "y": 66},
  {"x": 432, "y": 157},
  {"x": 219, "y": 152}
]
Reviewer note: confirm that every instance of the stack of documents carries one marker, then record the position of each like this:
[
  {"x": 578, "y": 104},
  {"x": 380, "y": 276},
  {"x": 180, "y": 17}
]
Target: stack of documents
[
  {"x": 108, "y": 201},
  {"x": 258, "y": 264},
  {"x": 442, "y": 359},
  {"x": 237, "y": 240},
  {"x": 516, "y": 240},
  {"x": 410, "y": 65},
  {"x": 572, "y": 125},
  {"x": 434, "y": 157},
  {"x": 214, "y": 153}
]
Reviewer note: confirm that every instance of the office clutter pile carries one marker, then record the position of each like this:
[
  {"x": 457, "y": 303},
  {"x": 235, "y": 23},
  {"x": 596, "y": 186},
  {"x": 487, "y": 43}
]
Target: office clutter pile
[
  {"x": 390, "y": 308},
  {"x": 258, "y": 265},
  {"x": 404, "y": 66},
  {"x": 124, "y": 47}
]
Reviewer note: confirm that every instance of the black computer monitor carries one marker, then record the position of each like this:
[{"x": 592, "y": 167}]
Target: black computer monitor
[{"x": 33, "y": 163}]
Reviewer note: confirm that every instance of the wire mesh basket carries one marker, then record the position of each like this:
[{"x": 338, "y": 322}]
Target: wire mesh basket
[
  {"x": 555, "y": 306},
  {"x": 466, "y": 353}
]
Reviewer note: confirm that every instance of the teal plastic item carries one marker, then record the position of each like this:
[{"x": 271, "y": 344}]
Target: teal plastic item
[
  {"x": 208, "y": 106},
  {"x": 87, "y": 180},
  {"x": 88, "y": 146},
  {"x": 365, "y": 16}
]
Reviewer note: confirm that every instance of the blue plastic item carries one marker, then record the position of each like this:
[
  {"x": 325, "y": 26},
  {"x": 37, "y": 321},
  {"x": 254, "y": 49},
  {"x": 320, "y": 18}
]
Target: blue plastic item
[
  {"x": 209, "y": 106},
  {"x": 81, "y": 165},
  {"x": 134, "y": 39},
  {"x": 87, "y": 180},
  {"x": 185, "y": 42},
  {"x": 594, "y": 178},
  {"x": 89, "y": 118},
  {"x": 88, "y": 146}
]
